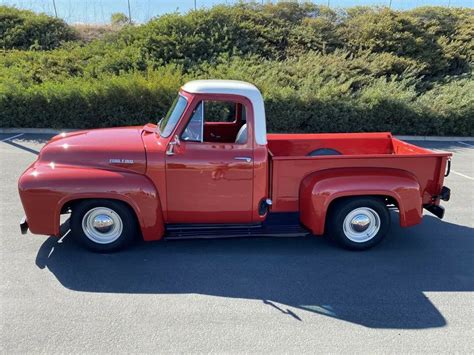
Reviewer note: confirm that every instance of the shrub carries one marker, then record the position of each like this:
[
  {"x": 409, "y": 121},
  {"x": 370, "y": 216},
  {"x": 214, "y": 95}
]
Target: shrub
[
  {"x": 449, "y": 107},
  {"x": 23, "y": 29},
  {"x": 295, "y": 101},
  {"x": 111, "y": 100},
  {"x": 119, "y": 19},
  {"x": 320, "y": 70}
]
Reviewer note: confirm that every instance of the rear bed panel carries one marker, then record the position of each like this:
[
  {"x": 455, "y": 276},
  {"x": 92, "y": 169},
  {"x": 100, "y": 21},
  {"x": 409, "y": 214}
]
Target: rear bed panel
[
  {"x": 288, "y": 171},
  {"x": 294, "y": 145}
]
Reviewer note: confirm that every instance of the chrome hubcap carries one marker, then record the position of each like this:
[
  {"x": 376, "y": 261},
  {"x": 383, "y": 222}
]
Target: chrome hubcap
[
  {"x": 102, "y": 225},
  {"x": 361, "y": 224}
]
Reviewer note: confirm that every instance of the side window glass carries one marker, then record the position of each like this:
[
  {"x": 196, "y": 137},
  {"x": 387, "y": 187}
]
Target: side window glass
[
  {"x": 194, "y": 129},
  {"x": 220, "y": 111},
  {"x": 167, "y": 124},
  {"x": 231, "y": 113}
]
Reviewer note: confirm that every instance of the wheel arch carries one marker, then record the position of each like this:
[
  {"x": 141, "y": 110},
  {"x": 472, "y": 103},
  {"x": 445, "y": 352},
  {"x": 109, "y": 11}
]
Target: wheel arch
[
  {"x": 387, "y": 199},
  {"x": 320, "y": 190},
  {"x": 69, "y": 204},
  {"x": 150, "y": 230},
  {"x": 46, "y": 192}
]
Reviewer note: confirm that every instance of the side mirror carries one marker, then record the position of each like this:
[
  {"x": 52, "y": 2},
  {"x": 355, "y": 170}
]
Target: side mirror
[{"x": 175, "y": 141}]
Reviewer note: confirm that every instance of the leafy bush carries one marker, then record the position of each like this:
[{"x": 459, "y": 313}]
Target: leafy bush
[
  {"x": 320, "y": 70},
  {"x": 449, "y": 107},
  {"x": 295, "y": 101},
  {"x": 23, "y": 29},
  {"x": 427, "y": 35},
  {"x": 107, "y": 101},
  {"x": 119, "y": 19}
]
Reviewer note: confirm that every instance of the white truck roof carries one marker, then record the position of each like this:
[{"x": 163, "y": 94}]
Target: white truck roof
[{"x": 234, "y": 87}]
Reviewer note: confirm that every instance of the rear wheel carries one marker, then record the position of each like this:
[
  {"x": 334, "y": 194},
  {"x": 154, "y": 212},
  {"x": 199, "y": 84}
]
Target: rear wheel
[
  {"x": 359, "y": 223},
  {"x": 103, "y": 225}
]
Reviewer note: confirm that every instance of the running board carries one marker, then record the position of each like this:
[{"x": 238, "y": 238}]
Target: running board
[
  {"x": 215, "y": 231},
  {"x": 275, "y": 225}
]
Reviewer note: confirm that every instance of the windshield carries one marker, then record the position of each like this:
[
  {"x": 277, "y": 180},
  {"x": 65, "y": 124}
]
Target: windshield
[{"x": 168, "y": 123}]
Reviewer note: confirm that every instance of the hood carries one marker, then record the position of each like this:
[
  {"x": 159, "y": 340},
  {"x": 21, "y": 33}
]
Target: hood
[{"x": 109, "y": 148}]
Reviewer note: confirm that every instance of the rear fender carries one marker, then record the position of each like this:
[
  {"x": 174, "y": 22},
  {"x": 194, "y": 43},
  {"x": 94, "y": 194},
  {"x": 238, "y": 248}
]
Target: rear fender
[
  {"x": 319, "y": 189},
  {"x": 45, "y": 191}
]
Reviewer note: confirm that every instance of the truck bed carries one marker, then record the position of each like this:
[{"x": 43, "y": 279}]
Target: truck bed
[{"x": 290, "y": 162}]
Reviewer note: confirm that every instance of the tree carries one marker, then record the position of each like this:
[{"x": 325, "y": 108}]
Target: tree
[{"x": 119, "y": 19}]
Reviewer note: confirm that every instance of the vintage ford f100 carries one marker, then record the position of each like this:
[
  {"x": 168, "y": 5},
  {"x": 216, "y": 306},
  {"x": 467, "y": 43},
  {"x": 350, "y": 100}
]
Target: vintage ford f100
[{"x": 209, "y": 169}]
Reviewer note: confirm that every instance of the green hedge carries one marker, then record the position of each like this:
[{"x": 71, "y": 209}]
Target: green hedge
[
  {"x": 295, "y": 103},
  {"x": 22, "y": 29},
  {"x": 320, "y": 70}
]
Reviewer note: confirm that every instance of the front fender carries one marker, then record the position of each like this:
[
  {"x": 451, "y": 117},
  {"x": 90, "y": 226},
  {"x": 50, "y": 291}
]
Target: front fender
[
  {"x": 319, "y": 189},
  {"x": 46, "y": 189}
]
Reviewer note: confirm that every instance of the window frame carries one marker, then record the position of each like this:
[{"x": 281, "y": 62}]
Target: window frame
[
  {"x": 195, "y": 98},
  {"x": 201, "y": 102},
  {"x": 183, "y": 111}
]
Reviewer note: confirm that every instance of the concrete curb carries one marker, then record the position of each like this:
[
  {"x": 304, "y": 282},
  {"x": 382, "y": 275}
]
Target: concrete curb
[
  {"x": 34, "y": 130},
  {"x": 57, "y": 131},
  {"x": 435, "y": 138}
]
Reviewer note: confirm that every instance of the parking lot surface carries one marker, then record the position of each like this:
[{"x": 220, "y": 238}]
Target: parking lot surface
[{"x": 412, "y": 293}]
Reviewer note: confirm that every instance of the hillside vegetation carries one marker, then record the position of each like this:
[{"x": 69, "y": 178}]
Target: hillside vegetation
[{"x": 320, "y": 70}]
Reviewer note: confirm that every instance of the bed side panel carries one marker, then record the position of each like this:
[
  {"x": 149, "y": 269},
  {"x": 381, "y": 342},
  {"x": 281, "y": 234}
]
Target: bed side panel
[{"x": 288, "y": 173}]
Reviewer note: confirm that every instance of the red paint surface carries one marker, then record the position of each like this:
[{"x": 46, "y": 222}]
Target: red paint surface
[
  {"x": 320, "y": 188},
  {"x": 203, "y": 183},
  {"x": 377, "y": 150},
  {"x": 77, "y": 166}
]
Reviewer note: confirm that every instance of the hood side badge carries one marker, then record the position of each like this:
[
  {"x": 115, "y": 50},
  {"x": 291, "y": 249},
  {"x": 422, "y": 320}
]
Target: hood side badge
[{"x": 121, "y": 161}]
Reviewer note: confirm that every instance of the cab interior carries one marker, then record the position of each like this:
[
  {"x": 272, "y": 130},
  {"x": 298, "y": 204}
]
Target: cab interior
[{"x": 224, "y": 122}]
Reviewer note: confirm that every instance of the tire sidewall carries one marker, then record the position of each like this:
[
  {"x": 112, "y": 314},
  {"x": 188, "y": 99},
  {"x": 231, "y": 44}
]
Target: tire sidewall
[
  {"x": 128, "y": 220},
  {"x": 343, "y": 208}
]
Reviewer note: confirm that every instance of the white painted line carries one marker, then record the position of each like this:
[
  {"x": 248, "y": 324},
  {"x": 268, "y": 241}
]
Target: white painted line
[
  {"x": 439, "y": 150},
  {"x": 469, "y": 145},
  {"x": 64, "y": 236},
  {"x": 9, "y": 138},
  {"x": 467, "y": 177},
  {"x": 454, "y": 172}
]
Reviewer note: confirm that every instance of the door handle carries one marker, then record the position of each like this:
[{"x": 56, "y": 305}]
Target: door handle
[{"x": 246, "y": 159}]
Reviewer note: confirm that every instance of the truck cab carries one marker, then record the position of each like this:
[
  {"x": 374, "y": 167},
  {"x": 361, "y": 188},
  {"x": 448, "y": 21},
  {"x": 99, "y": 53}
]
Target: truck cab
[
  {"x": 216, "y": 160},
  {"x": 209, "y": 169}
]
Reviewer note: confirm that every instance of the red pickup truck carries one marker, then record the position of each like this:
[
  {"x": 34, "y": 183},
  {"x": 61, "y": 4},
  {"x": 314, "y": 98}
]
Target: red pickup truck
[{"x": 209, "y": 169}]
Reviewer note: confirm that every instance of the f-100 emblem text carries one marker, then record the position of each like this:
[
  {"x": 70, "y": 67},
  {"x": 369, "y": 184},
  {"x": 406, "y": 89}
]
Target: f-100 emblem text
[{"x": 121, "y": 161}]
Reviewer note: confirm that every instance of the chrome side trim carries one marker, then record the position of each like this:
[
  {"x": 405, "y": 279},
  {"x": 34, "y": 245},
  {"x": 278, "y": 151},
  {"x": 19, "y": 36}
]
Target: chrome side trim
[{"x": 246, "y": 159}]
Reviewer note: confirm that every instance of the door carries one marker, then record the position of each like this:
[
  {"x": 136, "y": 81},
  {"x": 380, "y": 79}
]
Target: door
[{"x": 209, "y": 182}]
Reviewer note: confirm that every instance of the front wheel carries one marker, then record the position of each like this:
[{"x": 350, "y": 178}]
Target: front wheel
[
  {"x": 359, "y": 223},
  {"x": 103, "y": 225}
]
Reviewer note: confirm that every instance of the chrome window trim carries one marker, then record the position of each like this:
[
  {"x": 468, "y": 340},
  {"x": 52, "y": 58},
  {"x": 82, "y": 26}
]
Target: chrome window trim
[{"x": 202, "y": 121}]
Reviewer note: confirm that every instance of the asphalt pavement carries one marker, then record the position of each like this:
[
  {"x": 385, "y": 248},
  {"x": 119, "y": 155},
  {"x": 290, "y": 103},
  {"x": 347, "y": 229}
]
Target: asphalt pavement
[{"x": 412, "y": 293}]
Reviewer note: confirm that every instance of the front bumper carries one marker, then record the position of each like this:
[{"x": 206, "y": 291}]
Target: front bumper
[{"x": 24, "y": 225}]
